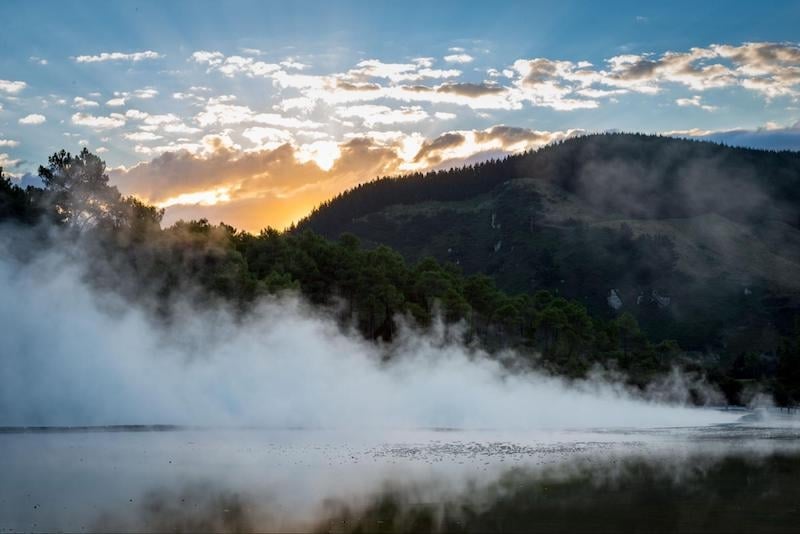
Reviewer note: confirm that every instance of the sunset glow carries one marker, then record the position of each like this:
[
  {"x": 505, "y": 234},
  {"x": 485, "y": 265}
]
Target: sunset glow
[{"x": 213, "y": 109}]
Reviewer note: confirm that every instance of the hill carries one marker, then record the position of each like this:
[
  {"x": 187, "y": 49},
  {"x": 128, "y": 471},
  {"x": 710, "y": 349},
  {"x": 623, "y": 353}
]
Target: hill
[{"x": 700, "y": 241}]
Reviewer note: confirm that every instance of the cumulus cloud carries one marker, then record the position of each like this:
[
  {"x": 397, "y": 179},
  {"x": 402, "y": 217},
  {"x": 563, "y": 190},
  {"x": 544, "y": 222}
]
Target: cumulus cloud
[
  {"x": 233, "y": 65},
  {"x": 459, "y": 58},
  {"x": 142, "y": 136},
  {"x": 33, "y": 119},
  {"x": 118, "y": 56},
  {"x": 263, "y": 135},
  {"x": 6, "y": 161},
  {"x": 227, "y": 114},
  {"x": 280, "y": 179},
  {"x": 122, "y": 97},
  {"x": 768, "y": 68},
  {"x": 547, "y": 83},
  {"x": 694, "y": 101},
  {"x": 372, "y": 115},
  {"x": 398, "y": 72},
  {"x": 12, "y": 87},
  {"x": 146, "y": 93},
  {"x": 9, "y": 143},
  {"x": 292, "y": 64},
  {"x": 80, "y": 102},
  {"x": 115, "y": 120},
  {"x": 772, "y": 69},
  {"x": 464, "y": 145}
]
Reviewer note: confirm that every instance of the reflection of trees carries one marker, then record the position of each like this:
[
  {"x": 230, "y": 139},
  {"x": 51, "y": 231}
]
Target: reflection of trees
[
  {"x": 698, "y": 492},
  {"x": 732, "y": 494}
]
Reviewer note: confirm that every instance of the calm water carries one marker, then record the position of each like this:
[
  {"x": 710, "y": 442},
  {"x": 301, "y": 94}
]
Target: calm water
[{"x": 731, "y": 477}]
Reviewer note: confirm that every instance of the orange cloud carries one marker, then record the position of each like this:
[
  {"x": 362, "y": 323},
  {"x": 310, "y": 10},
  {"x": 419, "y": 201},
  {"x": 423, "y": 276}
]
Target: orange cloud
[{"x": 274, "y": 187}]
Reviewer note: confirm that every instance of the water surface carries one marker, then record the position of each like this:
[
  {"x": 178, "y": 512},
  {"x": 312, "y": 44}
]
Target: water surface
[{"x": 741, "y": 477}]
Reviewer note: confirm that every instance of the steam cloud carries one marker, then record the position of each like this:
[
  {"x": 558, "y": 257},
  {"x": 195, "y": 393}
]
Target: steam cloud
[{"x": 72, "y": 355}]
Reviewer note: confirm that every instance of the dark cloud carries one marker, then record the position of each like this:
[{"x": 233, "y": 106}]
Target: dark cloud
[
  {"x": 448, "y": 140},
  {"x": 762, "y": 138},
  {"x": 471, "y": 90},
  {"x": 510, "y": 135},
  {"x": 417, "y": 88},
  {"x": 348, "y": 86}
]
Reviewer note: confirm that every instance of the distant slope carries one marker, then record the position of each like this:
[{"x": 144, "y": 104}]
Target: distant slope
[{"x": 713, "y": 228}]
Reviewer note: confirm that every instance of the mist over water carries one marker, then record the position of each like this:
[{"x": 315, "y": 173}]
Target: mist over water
[
  {"x": 292, "y": 422},
  {"x": 72, "y": 355}
]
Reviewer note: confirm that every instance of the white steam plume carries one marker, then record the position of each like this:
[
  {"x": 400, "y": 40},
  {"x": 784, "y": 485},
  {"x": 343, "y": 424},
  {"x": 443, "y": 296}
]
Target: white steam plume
[{"x": 73, "y": 356}]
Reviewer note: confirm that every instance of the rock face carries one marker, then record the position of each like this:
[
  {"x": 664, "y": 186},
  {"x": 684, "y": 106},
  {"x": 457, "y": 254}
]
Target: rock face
[{"x": 614, "y": 302}]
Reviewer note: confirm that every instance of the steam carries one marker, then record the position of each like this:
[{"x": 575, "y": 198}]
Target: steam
[{"x": 71, "y": 355}]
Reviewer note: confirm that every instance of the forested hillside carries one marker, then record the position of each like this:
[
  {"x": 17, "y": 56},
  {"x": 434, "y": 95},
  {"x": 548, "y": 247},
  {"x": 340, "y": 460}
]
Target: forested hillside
[
  {"x": 371, "y": 288},
  {"x": 699, "y": 241}
]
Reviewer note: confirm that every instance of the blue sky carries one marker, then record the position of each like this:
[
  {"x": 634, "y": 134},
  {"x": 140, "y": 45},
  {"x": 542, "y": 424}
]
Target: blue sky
[{"x": 253, "y": 112}]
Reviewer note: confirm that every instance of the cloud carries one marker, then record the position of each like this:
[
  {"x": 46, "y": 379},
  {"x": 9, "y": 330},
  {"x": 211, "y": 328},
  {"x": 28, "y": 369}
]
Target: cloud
[
  {"x": 398, "y": 72},
  {"x": 474, "y": 95},
  {"x": 228, "y": 114},
  {"x": 142, "y": 136},
  {"x": 280, "y": 180},
  {"x": 179, "y": 128},
  {"x": 292, "y": 64},
  {"x": 12, "y": 87},
  {"x": 6, "y": 161},
  {"x": 38, "y": 60},
  {"x": 262, "y": 135},
  {"x": 471, "y": 90},
  {"x": 772, "y": 69},
  {"x": 233, "y": 65},
  {"x": 443, "y": 142},
  {"x": 694, "y": 101},
  {"x": 9, "y": 143},
  {"x": 80, "y": 102},
  {"x": 121, "y": 97},
  {"x": 33, "y": 119},
  {"x": 167, "y": 123},
  {"x": 372, "y": 115},
  {"x": 119, "y": 56},
  {"x": 146, "y": 93},
  {"x": 554, "y": 84},
  {"x": 464, "y": 145},
  {"x": 115, "y": 120},
  {"x": 459, "y": 58},
  {"x": 767, "y": 137},
  {"x": 323, "y": 153}
]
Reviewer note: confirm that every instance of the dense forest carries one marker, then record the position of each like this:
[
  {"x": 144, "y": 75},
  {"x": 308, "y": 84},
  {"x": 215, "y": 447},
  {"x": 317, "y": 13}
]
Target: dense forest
[
  {"x": 682, "y": 177},
  {"x": 370, "y": 288},
  {"x": 699, "y": 242}
]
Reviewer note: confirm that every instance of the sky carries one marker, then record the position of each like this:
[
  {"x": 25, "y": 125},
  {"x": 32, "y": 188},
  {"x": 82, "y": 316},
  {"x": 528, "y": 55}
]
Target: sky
[{"x": 253, "y": 113}]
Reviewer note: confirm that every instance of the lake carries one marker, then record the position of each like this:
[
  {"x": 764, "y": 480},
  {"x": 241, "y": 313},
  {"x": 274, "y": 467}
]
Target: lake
[{"x": 740, "y": 475}]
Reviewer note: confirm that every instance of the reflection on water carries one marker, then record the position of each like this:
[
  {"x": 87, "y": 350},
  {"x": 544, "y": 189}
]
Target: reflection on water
[{"x": 716, "y": 479}]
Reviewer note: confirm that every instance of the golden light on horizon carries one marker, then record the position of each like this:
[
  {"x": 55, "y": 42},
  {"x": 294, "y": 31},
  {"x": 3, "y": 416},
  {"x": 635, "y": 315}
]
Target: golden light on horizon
[
  {"x": 198, "y": 198},
  {"x": 323, "y": 153}
]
